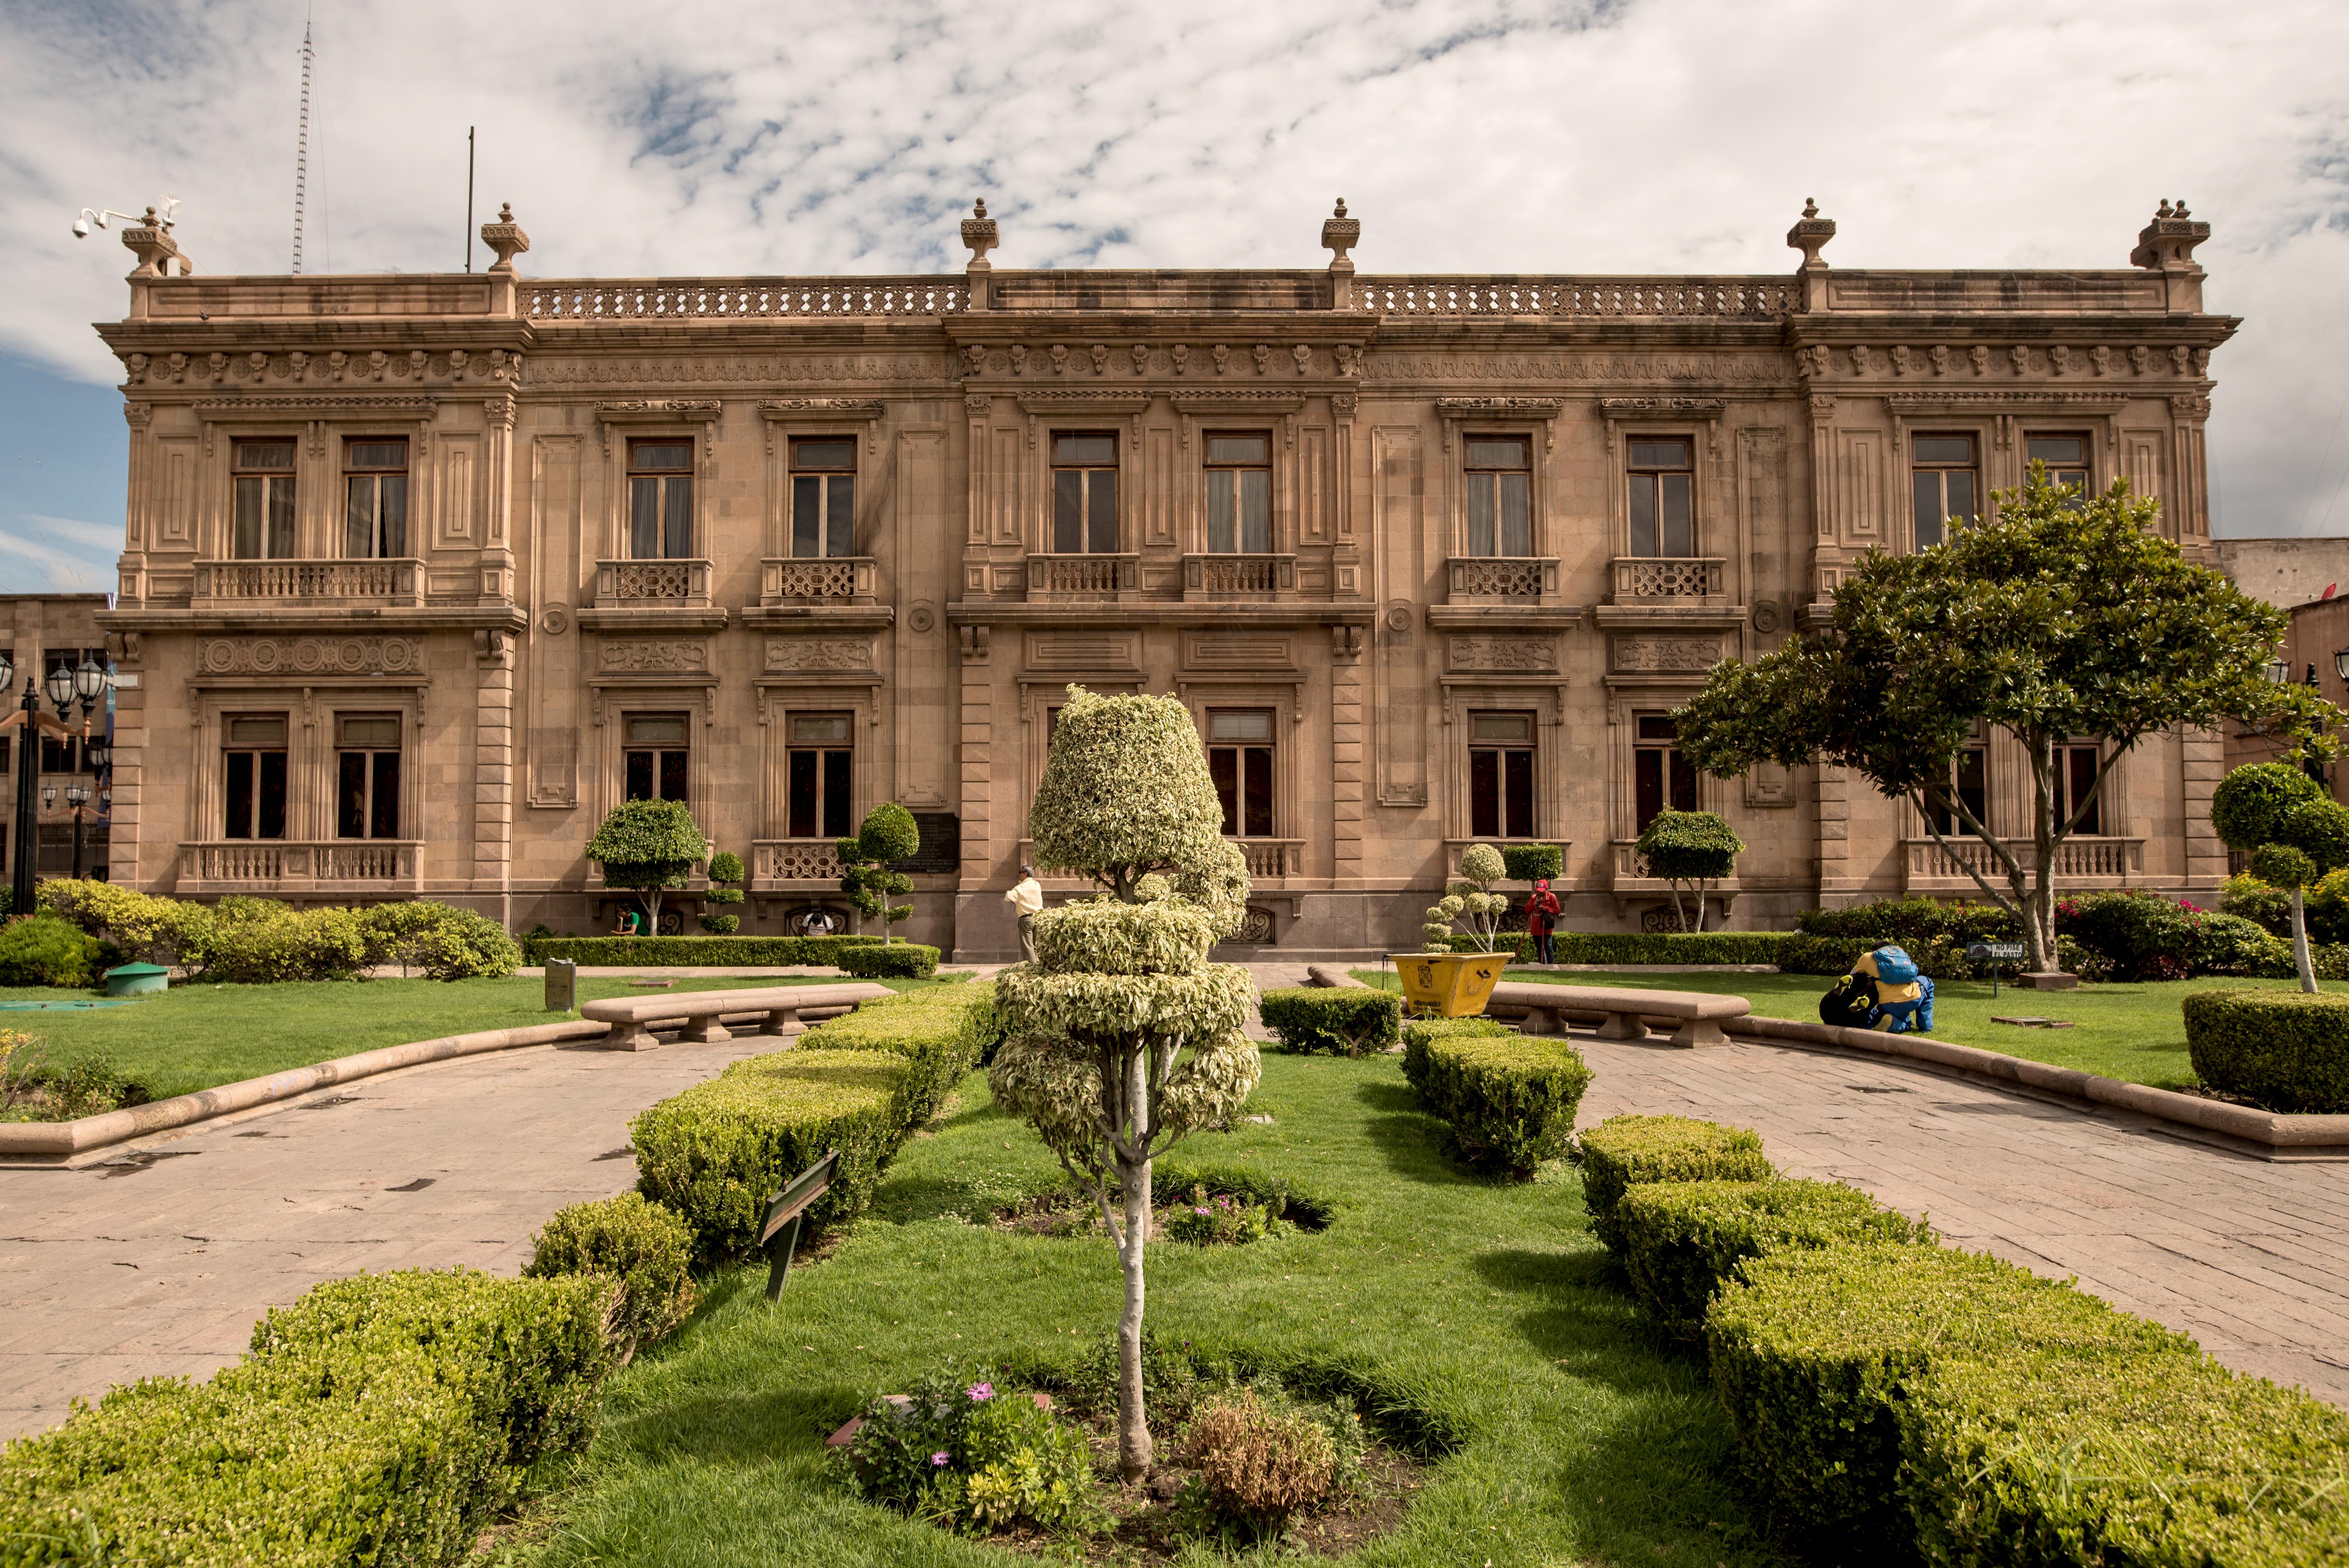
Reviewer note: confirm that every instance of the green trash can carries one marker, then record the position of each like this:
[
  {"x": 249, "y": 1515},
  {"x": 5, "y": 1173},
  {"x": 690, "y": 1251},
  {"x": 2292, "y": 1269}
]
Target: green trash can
[{"x": 137, "y": 980}]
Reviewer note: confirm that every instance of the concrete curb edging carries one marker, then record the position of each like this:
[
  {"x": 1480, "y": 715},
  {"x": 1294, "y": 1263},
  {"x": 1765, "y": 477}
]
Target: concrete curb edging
[{"x": 58, "y": 1142}]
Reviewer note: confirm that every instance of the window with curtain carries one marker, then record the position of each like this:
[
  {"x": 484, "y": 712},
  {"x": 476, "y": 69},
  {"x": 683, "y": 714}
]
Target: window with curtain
[
  {"x": 252, "y": 773},
  {"x": 375, "y": 499},
  {"x": 1084, "y": 494},
  {"x": 1661, "y": 775},
  {"x": 1501, "y": 775},
  {"x": 659, "y": 756},
  {"x": 1239, "y": 493},
  {"x": 819, "y": 776},
  {"x": 823, "y": 496},
  {"x": 2066, "y": 456},
  {"x": 1945, "y": 485},
  {"x": 660, "y": 499},
  {"x": 2075, "y": 778},
  {"x": 1240, "y": 760},
  {"x": 1970, "y": 783},
  {"x": 1663, "y": 517},
  {"x": 367, "y": 775},
  {"x": 1499, "y": 473},
  {"x": 261, "y": 477}
]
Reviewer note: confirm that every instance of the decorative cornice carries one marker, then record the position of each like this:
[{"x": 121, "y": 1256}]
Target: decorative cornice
[
  {"x": 668, "y": 410},
  {"x": 1252, "y": 399},
  {"x": 1645, "y": 407},
  {"x": 1054, "y": 401},
  {"x": 1479, "y": 407},
  {"x": 836, "y": 407},
  {"x": 2015, "y": 399},
  {"x": 324, "y": 406}
]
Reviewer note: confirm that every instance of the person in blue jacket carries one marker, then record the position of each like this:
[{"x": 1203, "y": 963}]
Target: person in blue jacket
[{"x": 1885, "y": 990}]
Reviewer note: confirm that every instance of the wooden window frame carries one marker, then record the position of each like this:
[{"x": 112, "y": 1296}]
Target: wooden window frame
[
  {"x": 1114, "y": 467},
  {"x": 828, "y": 823},
  {"x": 1239, "y": 827},
  {"x": 824, "y": 477},
  {"x": 1469, "y": 474},
  {"x": 1633, "y": 471},
  {"x": 658, "y": 752},
  {"x": 662, "y": 519},
  {"x": 1919, "y": 466},
  {"x": 239, "y": 471},
  {"x": 1211, "y": 474},
  {"x": 372, "y": 777},
  {"x": 1531, "y": 747},
  {"x": 257, "y": 782},
  {"x": 406, "y": 473}
]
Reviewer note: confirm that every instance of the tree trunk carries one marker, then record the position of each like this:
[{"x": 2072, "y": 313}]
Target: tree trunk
[
  {"x": 2039, "y": 918},
  {"x": 1699, "y": 908},
  {"x": 1133, "y": 1419},
  {"x": 2300, "y": 958}
]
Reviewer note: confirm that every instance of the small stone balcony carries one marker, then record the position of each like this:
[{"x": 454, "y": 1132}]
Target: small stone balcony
[
  {"x": 1669, "y": 580},
  {"x": 277, "y": 867},
  {"x": 1212, "y": 579},
  {"x": 796, "y": 581},
  {"x": 2080, "y": 861},
  {"x": 1084, "y": 579},
  {"x": 806, "y": 865},
  {"x": 1501, "y": 580},
  {"x": 666, "y": 594},
  {"x": 308, "y": 584}
]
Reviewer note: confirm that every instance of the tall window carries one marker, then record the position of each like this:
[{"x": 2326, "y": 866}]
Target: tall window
[
  {"x": 1662, "y": 516},
  {"x": 60, "y": 755},
  {"x": 659, "y": 756},
  {"x": 660, "y": 499},
  {"x": 2066, "y": 458},
  {"x": 1501, "y": 775},
  {"x": 820, "y": 774},
  {"x": 1500, "y": 495},
  {"x": 1661, "y": 776},
  {"x": 253, "y": 757},
  {"x": 264, "y": 481},
  {"x": 1970, "y": 781},
  {"x": 1945, "y": 484},
  {"x": 375, "y": 499},
  {"x": 1084, "y": 495},
  {"x": 1239, "y": 494},
  {"x": 2076, "y": 776},
  {"x": 823, "y": 496},
  {"x": 1239, "y": 759},
  {"x": 367, "y": 775}
]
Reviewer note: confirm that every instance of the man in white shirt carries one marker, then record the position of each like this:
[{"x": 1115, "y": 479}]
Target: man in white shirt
[{"x": 1026, "y": 896}]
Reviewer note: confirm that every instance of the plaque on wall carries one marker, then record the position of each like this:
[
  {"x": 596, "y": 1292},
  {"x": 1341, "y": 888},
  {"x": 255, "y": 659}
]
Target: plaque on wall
[{"x": 941, "y": 850}]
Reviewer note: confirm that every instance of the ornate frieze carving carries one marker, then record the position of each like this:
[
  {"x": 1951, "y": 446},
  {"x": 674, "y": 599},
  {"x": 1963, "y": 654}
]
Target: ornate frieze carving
[
  {"x": 701, "y": 371},
  {"x": 1604, "y": 367},
  {"x": 791, "y": 656},
  {"x": 1516, "y": 655},
  {"x": 2083, "y": 400},
  {"x": 650, "y": 655},
  {"x": 1663, "y": 656},
  {"x": 313, "y": 656},
  {"x": 305, "y": 366},
  {"x": 1653, "y": 407}
]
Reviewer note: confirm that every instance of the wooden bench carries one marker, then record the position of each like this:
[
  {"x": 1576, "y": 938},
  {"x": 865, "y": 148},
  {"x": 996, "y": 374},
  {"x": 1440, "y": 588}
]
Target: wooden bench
[
  {"x": 778, "y": 1234},
  {"x": 702, "y": 1014},
  {"x": 1623, "y": 1012}
]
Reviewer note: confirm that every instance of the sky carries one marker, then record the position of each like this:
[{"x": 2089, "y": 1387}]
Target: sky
[{"x": 1608, "y": 136}]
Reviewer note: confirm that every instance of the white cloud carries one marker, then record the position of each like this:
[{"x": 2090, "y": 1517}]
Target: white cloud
[
  {"x": 88, "y": 535},
  {"x": 66, "y": 572},
  {"x": 1653, "y": 135}
]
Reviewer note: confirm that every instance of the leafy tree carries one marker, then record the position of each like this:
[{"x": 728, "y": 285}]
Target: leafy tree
[
  {"x": 718, "y": 916},
  {"x": 1470, "y": 900},
  {"x": 1121, "y": 1037},
  {"x": 1533, "y": 863},
  {"x": 2064, "y": 616},
  {"x": 886, "y": 835},
  {"x": 2293, "y": 832},
  {"x": 1691, "y": 848},
  {"x": 647, "y": 847}
]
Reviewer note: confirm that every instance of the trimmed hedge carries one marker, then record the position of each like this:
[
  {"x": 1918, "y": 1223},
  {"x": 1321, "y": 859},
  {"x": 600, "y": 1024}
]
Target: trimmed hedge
[
  {"x": 1624, "y": 1151},
  {"x": 641, "y": 1247},
  {"x": 1420, "y": 1035},
  {"x": 943, "y": 1032},
  {"x": 2286, "y": 1050},
  {"x": 1344, "y": 1020},
  {"x": 44, "y": 950},
  {"x": 1506, "y": 1098},
  {"x": 382, "y": 1418},
  {"x": 897, "y": 961},
  {"x": 1683, "y": 1241},
  {"x": 1890, "y": 1401},
  {"x": 695, "y": 952}
]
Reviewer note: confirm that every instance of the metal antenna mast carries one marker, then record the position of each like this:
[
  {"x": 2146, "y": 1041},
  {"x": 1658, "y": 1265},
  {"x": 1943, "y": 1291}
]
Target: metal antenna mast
[{"x": 302, "y": 146}]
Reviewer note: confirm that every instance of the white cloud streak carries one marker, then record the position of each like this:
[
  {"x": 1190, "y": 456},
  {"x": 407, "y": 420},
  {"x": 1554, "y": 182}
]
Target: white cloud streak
[{"x": 1613, "y": 136}]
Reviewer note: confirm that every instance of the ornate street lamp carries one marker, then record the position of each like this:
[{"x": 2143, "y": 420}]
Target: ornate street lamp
[
  {"x": 2278, "y": 672},
  {"x": 2341, "y": 664},
  {"x": 77, "y": 796}
]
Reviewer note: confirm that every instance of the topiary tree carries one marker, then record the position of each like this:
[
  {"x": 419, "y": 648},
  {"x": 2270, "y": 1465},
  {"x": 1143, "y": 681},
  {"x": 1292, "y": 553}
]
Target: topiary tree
[
  {"x": 718, "y": 916},
  {"x": 647, "y": 847},
  {"x": 1470, "y": 900},
  {"x": 1121, "y": 1037},
  {"x": 887, "y": 834},
  {"x": 2293, "y": 832},
  {"x": 1695, "y": 848},
  {"x": 1533, "y": 863}
]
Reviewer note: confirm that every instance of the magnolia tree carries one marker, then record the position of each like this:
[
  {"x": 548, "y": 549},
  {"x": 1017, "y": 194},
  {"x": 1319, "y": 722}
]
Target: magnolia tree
[
  {"x": 888, "y": 834},
  {"x": 1471, "y": 900},
  {"x": 647, "y": 847},
  {"x": 1692, "y": 850},
  {"x": 1121, "y": 1037},
  {"x": 2293, "y": 832}
]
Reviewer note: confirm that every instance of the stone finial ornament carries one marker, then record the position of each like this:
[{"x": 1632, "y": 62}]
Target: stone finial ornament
[
  {"x": 1341, "y": 234},
  {"x": 505, "y": 237},
  {"x": 2167, "y": 243},
  {"x": 1811, "y": 233},
  {"x": 980, "y": 232},
  {"x": 158, "y": 256}
]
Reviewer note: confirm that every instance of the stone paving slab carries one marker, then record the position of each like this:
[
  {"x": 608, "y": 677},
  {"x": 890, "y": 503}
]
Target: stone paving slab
[{"x": 159, "y": 1261}]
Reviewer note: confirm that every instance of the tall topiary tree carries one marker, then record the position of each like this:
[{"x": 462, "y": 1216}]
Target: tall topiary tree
[
  {"x": 647, "y": 847},
  {"x": 1691, "y": 848},
  {"x": 887, "y": 834},
  {"x": 718, "y": 916},
  {"x": 1121, "y": 1037},
  {"x": 1471, "y": 900},
  {"x": 2293, "y": 832}
]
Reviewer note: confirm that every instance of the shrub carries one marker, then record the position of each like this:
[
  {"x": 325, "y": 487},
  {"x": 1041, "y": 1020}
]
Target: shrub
[
  {"x": 2232, "y": 944},
  {"x": 897, "y": 961},
  {"x": 1683, "y": 1240},
  {"x": 2269, "y": 907},
  {"x": 726, "y": 868},
  {"x": 647, "y": 847},
  {"x": 696, "y": 951},
  {"x": 1344, "y": 1020},
  {"x": 1913, "y": 922},
  {"x": 2285, "y": 1050},
  {"x": 962, "y": 1452},
  {"x": 942, "y": 1033},
  {"x": 1507, "y": 1096},
  {"x": 719, "y": 1151},
  {"x": 2143, "y": 936},
  {"x": 446, "y": 942},
  {"x": 44, "y": 950},
  {"x": 1532, "y": 862},
  {"x": 1421, "y": 1034},
  {"x": 642, "y": 1247},
  {"x": 721, "y": 924},
  {"x": 89, "y": 1087},
  {"x": 1624, "y": 1151},
  {"x": 1694, "y": 848},
  {"x": 1257, "y": 1465},
  {"x": 148, "y": 929},
  {"x": 260, "y": 942},
  {"x": 1218, "y": 1220}
]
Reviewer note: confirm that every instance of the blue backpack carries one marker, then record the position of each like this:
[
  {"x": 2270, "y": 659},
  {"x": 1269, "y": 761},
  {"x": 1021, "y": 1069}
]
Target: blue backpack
[{"x": 1895, "y": 967}]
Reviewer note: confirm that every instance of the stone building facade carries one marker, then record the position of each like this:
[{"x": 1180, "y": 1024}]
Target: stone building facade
[
  {"x": 41, "y": 632},
  {"x": 426, "y": 572}
]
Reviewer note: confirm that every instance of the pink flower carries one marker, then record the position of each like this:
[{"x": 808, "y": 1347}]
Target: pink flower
[
  {"x": 939, "y": 1457},
  {"x": 981, "y": 1390}
]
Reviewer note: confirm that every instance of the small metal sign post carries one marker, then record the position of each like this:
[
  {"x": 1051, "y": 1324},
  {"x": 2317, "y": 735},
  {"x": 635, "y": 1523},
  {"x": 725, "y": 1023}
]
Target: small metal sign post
[{"x": 1993, "y": 953}]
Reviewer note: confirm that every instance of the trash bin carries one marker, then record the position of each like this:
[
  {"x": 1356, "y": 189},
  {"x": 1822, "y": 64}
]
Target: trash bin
[
  {"x": 562, "y": 985},
  {"x": 137, "y": 980}
]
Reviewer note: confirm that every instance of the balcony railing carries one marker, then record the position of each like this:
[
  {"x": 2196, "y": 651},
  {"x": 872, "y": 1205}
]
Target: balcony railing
[
  {"x": 652, "y": 584},
  {"x": 785, "y": 581},
  {"x": 264, "y": 862},
  {"x": 1500, "y": 580},
  {"x": 1751, "y": 299},
  {"x": 234, "y": 585},
  {"x": 1269, "y": 859},
  {"x": 1657, "y": 580},
  {"x": 1082, "y": 576},
  {"x": 795, "y": 860},
  {"x": 712, "y": 299},
  {"x": 1214, "y": 577},
  {"x": 2080, "y": 861}
]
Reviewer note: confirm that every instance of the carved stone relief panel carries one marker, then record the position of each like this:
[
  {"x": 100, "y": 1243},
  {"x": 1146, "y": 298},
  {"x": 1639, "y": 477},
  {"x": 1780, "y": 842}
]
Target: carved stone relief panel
[
  {"x": 1238, "y": 653},
  {"x": 1085, "y": 650},
  {"x": 313, "y": 656},
  {"x": 667, "y": 654},
  {"x": 789, "y": 655},
  {"x": 1663, "y": 656},
  {"x": 1531, "y": 655}
]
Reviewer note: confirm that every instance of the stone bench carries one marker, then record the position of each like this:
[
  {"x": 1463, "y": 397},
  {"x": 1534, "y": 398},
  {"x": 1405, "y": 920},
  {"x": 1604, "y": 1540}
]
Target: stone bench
[
  {"x": 1623, "y": 1012},
  {"x": 701, "y": 1015}
]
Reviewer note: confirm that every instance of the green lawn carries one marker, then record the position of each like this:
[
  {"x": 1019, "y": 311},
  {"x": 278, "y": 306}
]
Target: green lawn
[
  {"x": 2135, "y": 1033},
  {"x": 1486, "y": 1310},
  {"x": 196, "y": 1036}
]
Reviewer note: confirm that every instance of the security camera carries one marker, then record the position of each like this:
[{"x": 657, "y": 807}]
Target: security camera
[{"x": 81, "y": 228}]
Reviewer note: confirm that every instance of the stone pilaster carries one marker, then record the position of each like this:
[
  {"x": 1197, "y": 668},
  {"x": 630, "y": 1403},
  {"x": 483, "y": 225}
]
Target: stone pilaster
[
  {"x": 1837, "y": 885},
  {"x": 2202, "y": 763},
  {"x": 1346, "y": 759},
  {"x": 493, "y": 771}
]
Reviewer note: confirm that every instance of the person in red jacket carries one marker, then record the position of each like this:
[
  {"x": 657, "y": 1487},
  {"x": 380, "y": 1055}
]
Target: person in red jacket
[{"x": 1541, "y": 908}]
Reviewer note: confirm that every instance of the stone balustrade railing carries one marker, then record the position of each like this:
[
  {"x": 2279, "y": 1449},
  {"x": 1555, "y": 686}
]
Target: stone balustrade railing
[
  {"x": 1747, "y": 298},
  {"x": 1271, "y": 858},
  {"x": 2082, "y": 861},
  {"x": 795, "y": 860},
  {"x": 682, "y": 584},
  {"x": 1471, "y": 579},
  {"x": 1082, "y": 576},
  {"x": 225, "y": 585},
  {"x": 274, "y": 863},
  {"x": 1229, "y": 576},
  {"x": 734, "y": 299},
  {"x": 799, "y": 580},
  {"x": 1667, "y": 578}
]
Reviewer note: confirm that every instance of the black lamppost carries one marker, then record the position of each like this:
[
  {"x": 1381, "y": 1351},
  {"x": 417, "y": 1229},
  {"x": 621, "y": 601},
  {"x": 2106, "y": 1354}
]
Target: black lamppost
[{"x": 29, "y": 763}]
